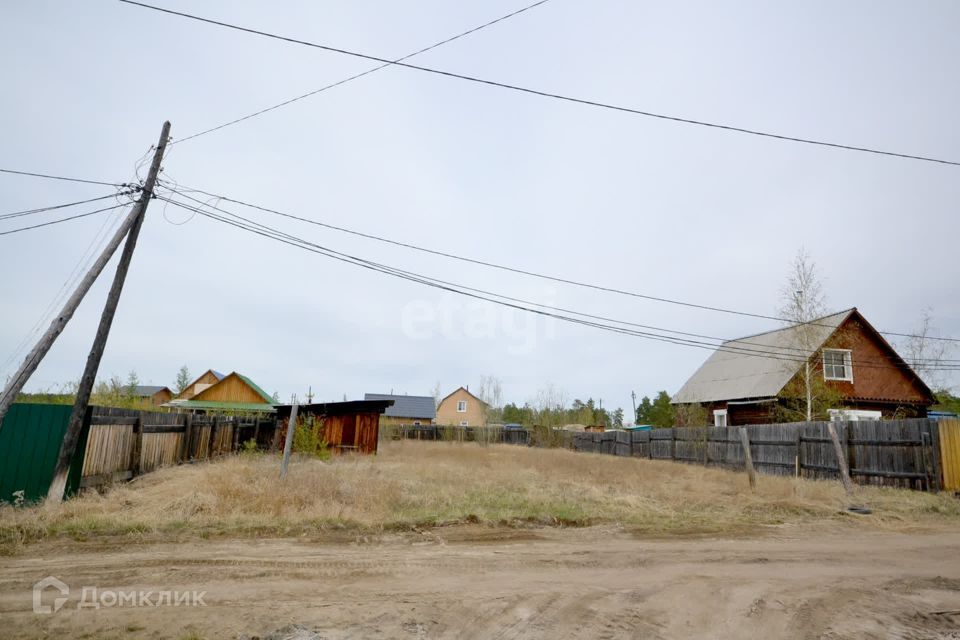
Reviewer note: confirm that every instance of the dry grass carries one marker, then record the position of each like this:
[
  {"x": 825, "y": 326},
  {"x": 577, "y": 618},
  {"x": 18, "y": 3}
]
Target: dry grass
[{"x": 427, "y": 484}]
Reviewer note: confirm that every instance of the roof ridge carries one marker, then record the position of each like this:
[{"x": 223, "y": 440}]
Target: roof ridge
[{"x": 792, "y": 326}]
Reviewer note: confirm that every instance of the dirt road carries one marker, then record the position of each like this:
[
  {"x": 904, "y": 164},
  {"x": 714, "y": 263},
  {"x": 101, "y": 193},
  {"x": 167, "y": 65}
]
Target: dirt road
[{"x": 475, "y": 582}]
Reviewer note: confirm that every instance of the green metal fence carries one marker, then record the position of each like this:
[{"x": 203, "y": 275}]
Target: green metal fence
[{"x": 30, "y": 439}]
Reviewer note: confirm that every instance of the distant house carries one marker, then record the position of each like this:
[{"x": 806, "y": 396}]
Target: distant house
[
  {"x": 154, "y": 395},
  {"x": 208, "y": 379},
  {"x": 462, "y": 408},
  {"x": 234, "y": 392},
  {"x": 752, "y": 380},
  {"x": 406, "y": 410}
]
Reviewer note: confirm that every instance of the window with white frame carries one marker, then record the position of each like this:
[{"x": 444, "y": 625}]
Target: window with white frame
[
  {"x": 417, "y": 423},
  {"x": 463, "y": 423},
  {"x": 462, "y": 407},
  {"x": 838, "y": 364},
  {"x": 720, "y": 418}
]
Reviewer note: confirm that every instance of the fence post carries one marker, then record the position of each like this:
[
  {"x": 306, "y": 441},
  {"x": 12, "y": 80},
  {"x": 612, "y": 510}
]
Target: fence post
[
  {"x": 935, "y": 451},
  {"x": 706, "y": 446},
  {"x": 185, "y": 451},
  {"x": 137, "y": 448},
  {"x": 214, "y": 429},
  {"x": 256, "y": 429},
  {"x": 797, "y": 460},
  {"x": 841, "y": 459},
  {"x": 747, "y": 458},
  {"x": 288, "y": 443},
  {"x": 673, "y": 443},
  {"x": 236, "y": 434}
]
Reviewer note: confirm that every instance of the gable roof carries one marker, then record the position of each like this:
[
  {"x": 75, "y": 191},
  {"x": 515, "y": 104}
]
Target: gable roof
[
  {"x": 465, "y": 390},
  {"x": 147, "y": 390},
  {"x": 406, "y": 406},
  {"x": 743, "y": 373},
  {"x": 263, "y": 394},
  {"x": 212, "y": 389}
]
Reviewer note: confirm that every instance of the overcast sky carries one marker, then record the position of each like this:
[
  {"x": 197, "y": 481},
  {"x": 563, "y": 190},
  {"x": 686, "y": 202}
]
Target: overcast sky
[{"x": 620, "y": 200}]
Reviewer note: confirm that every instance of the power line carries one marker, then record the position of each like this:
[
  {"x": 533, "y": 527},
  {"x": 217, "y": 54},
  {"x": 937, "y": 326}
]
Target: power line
[
  {"x": 525, "y": 272},
  {"x": 50, "y": 177},
  {"x": 547, "y": 94},
  {"x": 47, "y": 224},
  {"x": 286, "y": 238},
  {"x": 362, "y": 74},
  {"x": 27, "y": 212},
  {"x": 740, "y": 341}
]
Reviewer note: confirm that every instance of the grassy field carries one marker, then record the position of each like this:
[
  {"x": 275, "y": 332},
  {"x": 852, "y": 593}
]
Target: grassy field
[{"x": 426, "y": 484}]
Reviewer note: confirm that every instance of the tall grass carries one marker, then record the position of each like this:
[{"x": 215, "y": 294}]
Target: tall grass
[{"x": 435, "y": 483}]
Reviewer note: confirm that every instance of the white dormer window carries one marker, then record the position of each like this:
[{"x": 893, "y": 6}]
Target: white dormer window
[
  {"x": 462, "y": 406},
  {"x": 838, "y": 364},
  {"x": 720, "y": 418}
]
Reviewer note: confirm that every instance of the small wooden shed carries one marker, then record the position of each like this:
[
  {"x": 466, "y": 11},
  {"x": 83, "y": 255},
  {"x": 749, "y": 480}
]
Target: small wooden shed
[{"x": 348, "y": 426}]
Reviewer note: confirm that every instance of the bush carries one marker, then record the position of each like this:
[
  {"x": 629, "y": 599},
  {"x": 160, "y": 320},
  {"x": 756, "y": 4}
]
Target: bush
[{"x": 307, "y": 439}]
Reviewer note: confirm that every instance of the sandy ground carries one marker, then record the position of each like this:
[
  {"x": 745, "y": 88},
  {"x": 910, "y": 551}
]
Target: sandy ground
[{"x": 476, "y": 582}]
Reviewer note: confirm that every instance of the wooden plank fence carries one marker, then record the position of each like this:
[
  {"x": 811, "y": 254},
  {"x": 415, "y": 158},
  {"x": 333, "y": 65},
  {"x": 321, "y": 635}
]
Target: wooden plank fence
[
  {"x": 123, "y": 443},
  {"x": 902, "y": 453}
]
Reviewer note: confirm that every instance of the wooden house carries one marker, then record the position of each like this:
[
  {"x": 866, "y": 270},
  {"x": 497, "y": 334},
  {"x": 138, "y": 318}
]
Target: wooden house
[
  {"x": 205, "y": 381},
  {"x": 234, "y": 392},
  {"x": 409, "y": 411},
  {"x": 462, "y": 409},
  {"x": 152, "y": 395},
  {"x": 346, "y": 426},
  {"x": 760, "y": 379}
]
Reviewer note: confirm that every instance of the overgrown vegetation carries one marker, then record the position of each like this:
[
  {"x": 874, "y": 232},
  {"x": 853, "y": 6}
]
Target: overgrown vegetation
[{"x": 433, "y": 483}]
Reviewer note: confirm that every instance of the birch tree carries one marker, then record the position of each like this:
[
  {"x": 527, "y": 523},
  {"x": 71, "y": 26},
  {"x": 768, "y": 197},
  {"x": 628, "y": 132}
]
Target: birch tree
[
  {"x": 925, "y": 354},
  {"x": 802, "y": 301}
]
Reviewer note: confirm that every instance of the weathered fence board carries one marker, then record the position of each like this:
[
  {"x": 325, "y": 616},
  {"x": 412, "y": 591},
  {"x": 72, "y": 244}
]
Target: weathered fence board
[{"x": 903, "y": 453}]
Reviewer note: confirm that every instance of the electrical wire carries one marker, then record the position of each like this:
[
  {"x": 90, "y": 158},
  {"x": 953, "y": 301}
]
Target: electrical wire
[
  {"x": 27, "y": 212},
  {"x": 52, "y": 222},
  {"x": 50, "y": 177},
  {"x": 547, "y": 94},
  {"x": 525, "y": 272},
  {"x": 507, "y": 301},
  {"x": 739, "y": 341},
  {"x": 359, "y": 75}
]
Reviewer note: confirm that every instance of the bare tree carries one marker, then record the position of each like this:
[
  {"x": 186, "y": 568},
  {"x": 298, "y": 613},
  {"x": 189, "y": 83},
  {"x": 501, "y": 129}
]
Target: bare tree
[
  {"x": 802, "y": 301},
  {"x": 925, "y": 354},
  {"x": 491, "y": 392},
  {"x": 436, "y": 395}
]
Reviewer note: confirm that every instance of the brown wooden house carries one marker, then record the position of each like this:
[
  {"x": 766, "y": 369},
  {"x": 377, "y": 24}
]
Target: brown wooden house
[
  {"x": 762, "y": 379},
  {"x": 234, "y": 392},
  {"x": 346, "y": 426},
  {"x": 152, "y": 395},
  {"x": 205, "y": 381}
]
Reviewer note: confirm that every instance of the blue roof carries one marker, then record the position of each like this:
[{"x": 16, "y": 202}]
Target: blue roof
[
  {"x": 219, "y": 375},
  {"x": 421, "y": 407}
]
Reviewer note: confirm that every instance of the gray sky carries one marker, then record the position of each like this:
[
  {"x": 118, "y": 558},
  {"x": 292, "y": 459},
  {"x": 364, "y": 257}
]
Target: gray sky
[{"x": 620, "y": 200}]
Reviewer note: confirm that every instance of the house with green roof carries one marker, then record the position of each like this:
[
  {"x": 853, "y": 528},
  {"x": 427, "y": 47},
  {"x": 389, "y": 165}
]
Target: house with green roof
[{"x": 233, "y": 392}]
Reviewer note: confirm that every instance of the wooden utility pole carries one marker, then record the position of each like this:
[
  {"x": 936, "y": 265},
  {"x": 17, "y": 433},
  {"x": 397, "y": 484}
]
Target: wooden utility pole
[
  {"x": 288, "y": 444},
  {"x": 59, "y": 483}
]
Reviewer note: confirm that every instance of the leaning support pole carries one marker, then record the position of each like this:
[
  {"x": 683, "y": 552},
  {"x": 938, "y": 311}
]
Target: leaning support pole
[
  {"x": 36, "y": 355},
  {"x": 841, "y": 459},
  {"x": 748, "y": 458},
  {"x": 288, "y": 444},
  {"x": 59, "y": 483}
]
